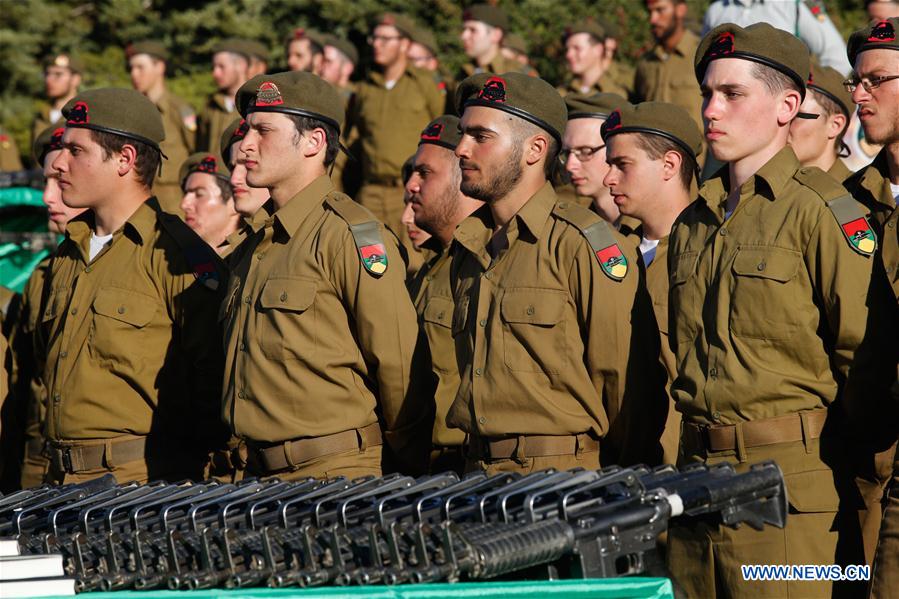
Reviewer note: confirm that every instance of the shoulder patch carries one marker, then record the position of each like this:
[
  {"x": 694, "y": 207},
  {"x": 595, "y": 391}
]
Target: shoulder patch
[
  {"x": 600, "y": 237},
  {"x": 854, "y": 224},
  {"x": 366, "y": 232},
  {"x": 201, "y": 259},
  {"x": 816, "y": 7},
  {"x": 188, "y": 118}
]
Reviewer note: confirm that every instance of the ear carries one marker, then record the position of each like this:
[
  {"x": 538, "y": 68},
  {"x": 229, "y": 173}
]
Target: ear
[
  {"x": 314, "y": 141},
  {"x": 76, "y": 79},
  {"x": 680, "y": 10},
  {"x": 835, "y": 125},
  {"x": 126, "y": 160},
  {"x": 404, "y": 45},
  {"x": 788, "y": 107},
  {"x": 671, "y": 164},
  {"x": 496, "y": 35},
  {"x": 317, "y": 60},
  {"x": 535, "y": 148}
]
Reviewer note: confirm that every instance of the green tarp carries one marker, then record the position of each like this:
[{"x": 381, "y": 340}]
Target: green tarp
[
  {"x": 21, "y": 211},
  {"x": 607, "y": 588}
]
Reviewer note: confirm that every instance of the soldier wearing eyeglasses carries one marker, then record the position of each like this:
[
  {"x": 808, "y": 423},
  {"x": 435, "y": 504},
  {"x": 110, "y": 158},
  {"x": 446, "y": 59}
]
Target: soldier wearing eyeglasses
[{"x": 874, "y": 87}]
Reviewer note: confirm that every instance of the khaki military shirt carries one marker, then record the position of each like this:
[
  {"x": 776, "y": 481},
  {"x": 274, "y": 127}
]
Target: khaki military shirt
[
  {"x": 30, "y": 350},
  {"x": 40, "y": 121},
  {"x": 315, "y": 343},
  {"x": 546, "y": 342},
  {"x": 213, "y": 119},
  {"x": 621, "y": 75},
  {"x": 9, "y": 153},
  {"x": 132, "y": 342},
  {"x": 432, "y": 295},
  {"x": 180, "y": 124},
  {"x": 605, "y": 86},
  {"x": 388, "y": 122},
  {"x": 767, "y": 307},
  {"x": 839, "y": 171},
  {"x": 664, "y": 76}
]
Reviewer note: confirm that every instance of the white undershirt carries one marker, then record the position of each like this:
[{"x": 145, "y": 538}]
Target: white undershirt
[
  {"x": 894, "y": 189},
  {"x": 390, "y": 84},
  {"x": 55, "y": 115},
  {"x": 229, "y": 104},
  {"x": 648, "y": 249},
  {"x": 98, "y": 242}
]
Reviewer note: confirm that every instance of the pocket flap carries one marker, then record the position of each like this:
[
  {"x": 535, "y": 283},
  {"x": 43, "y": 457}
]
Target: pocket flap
[
  {"x": 125, "y": 306},
  {"x": 534, "y": 306},
  {"x": 683, "y": 267},
  {"x": 439, "y": 311},
  {"x": 774, "y": 263},
  {"x": 812, "y": 491},
  {"x": 282, "y": 293}
]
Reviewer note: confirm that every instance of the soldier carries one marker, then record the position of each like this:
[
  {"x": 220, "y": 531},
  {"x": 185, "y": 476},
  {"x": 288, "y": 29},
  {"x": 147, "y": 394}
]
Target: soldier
[
  {"x": 319, "y": 328},
  {"x": 816, "y": 134},
  {"x": 881, "y": 10},
  {"x": 29, "y": 350},
  {"x": 873, "y": 84},
  {"x": 305, "y": 50},
  {"x": 391, "y": 106},
  {"x": 515, "y": 48},
  {"x": 258, "y": 55},
  {"x": 665, "y": 73},
  {"x": 617, "y": 73},
  {"x": 532, "y": 280},
  {"x": 439, "y": 206},
  {"x": 147, "y": 61},
  {"x": 585, "y": 54},
  {"x": 652, "y": 150},
  {"x": 9, "y": 153},
  {"x": 417, "y": 236},
  {"x": 483, "y": 29},
  {"x": 230, "y": 69},
  {"x": 339, "y": 60},
  {"x": 584, "y": 154},
  {"x": 62, "y": 77},
  {"x": 768, "y": 272},
  {"x": 247, "y": 200},
  {"x": 133, "y": 363},
  {"x": 208, "y": 202},
  {"x": 422, "y": 51}
]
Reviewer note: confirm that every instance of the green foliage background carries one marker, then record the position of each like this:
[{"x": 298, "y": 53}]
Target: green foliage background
[{"x": 97, "y": 31}]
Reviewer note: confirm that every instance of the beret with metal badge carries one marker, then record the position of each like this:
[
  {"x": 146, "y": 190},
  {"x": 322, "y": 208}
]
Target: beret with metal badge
[
  {"x": 597, "y": 106},
  {"x": 232, "y": 134},
  {"x": 64, "y": 60},
  {"x": 306, "y": 33},
  {"x": 588, "y": 25},
  {"x": 656, "y": 118},
  {"x": 488, "y": 14},
  {"x": 203, "y": 162},
  {"x": 424, "y": 36},
  {"x": 297, "y": 93},
  {"x": 344, "y": 46},
  {"x": 876, "y": 35},
  {"x": 442, "y": 131},
  {"x": 151, "y": 47},
  {"x": 119, "y": 111},
  {"x": 402, "y": 23},
  {"x": 50, "y": 139}
]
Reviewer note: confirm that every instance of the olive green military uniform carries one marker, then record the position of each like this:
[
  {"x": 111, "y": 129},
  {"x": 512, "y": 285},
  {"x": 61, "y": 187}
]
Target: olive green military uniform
[
  {"x": 214, "y": 118},
  {"x": 432, "y": 295},
  {"x": 387, "y": 123},
  {"x": 604, "y": 86},
  {"x": 180, "y": 125},
  {"x": 9, "y": 153},
  {"x": 664, "y": 76},
  {"x": 839, "y": 171},
  {"x": 41, "y": 121}
]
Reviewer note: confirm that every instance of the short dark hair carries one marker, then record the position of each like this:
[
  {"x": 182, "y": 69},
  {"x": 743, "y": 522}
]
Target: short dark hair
[
  {"x": 831, "y": 108},
  {"x": 775, "y": 81},
  {"x": 657, "y": 146},
  {"x": 305, "y": 124},
  {"x": 227, "y": 190},
  {"x": 523, "y": 129},
  {"x": 148, "y": 158}
]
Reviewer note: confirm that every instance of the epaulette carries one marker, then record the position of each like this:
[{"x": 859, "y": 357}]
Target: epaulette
[
  {"x": 366, "y": 232},
  {"x": 850, "y": 215},
  {"x": 599, "y": 235},
  {"x": 202, "y": 259}
]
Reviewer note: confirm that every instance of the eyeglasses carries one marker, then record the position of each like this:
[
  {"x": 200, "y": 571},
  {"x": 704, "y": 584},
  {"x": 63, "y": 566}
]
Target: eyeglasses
[
  {"x": 807, "y": 115},
  {"x": 869, "y": 83},
  {"x": 583, "y": 154},
  {"x": 372, "y": 39}
]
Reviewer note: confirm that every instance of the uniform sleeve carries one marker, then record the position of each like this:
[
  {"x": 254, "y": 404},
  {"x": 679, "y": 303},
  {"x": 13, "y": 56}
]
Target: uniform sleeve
[
  {"x": 386, "y": 329},
  {"x": 622, "y": 356},
  {"x": 640, "y": 82},
  {"x": 436, "y": 98},
  {"x": 823, "y": 40}
]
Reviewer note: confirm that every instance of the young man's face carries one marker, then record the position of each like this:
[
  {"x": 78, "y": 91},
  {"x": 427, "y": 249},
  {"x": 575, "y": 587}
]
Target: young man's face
[
  {"x": 86, "y": 177},
  {"x": 60, "y": 82},
  {"x": 813, "y": 138},
  {"x": 145, "y": 71},
  {"x": 739, "y": 113},
  {"x": 247, "y": 200},
  {"x": 633, "y": 176},
  {"x": 878, "y": 110},
  {"x": 478, "y": 39},
  {"x": 416, "y": 235},
  {"x": 270, "y": 149},
  {"x": 434, "y": 187},
  {"x": 229, "y": 70},
  {"x": 665, "y": 17},
  {"x": 388, "y": 45},
  {"x": 332, "y": 66},
  {"x": 300, "y": 56},
  {"x": 421, "y": 57},
  {"x": 59, "y": 214},
  {"x": 582, "y": 137},
  {"x": 582, "y": 53},
  {"x": 489, "y": 155},
  {"x": 205, "y": 210}
]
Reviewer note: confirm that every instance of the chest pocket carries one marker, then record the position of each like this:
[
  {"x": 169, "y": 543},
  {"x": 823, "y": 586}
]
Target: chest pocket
[
  {"x": 765, "y": 298},
  {"x": 684, "y": 305},
  {"x": 287, "y": 327},
  {"x": 534, "y": 330},
  {"x": 120, "y": 328},
  {"x": 438, "y": 317}
]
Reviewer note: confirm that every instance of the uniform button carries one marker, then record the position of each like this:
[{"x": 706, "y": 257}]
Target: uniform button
[
  {"x": 243, "y": 346},
  {"x": 56, "y": 398},
  {"x": 121, "y": 310},
  {"x": 483, "y": 322},
  {"x": 761, "y": 266},
  {"x": 246, "y": 300},
  {"x": 530, "y": 310},
  {"x": 63, "y": 354},
  {"x": 242, "y": 395},
  {"x": 260, "y": 256},
  {"x": 74, "y": 311},
  {"x": 713, "y": 372},
  {"x": 477, "y": 372},
  {"x": 87, "y": 269},
  {"x": 486, "y": 275},
  {"x": 889, "y": 269},
  {"x": 723, "y": 232},
  {"x": 563, "y": 205},
  {"x": 716, "y": 415},
  {"x": 891, "y": 225},
  {"x": 441, "y": 315},
  {"x": 482, "y": 420},
  {"x": 283, "y": 297}
]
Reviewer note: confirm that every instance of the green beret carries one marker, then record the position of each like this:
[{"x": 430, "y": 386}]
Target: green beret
[
  {"x": 343, "y": 46},
  {"x": 49, "y": 140},
  {"x": 425, "y": 37},
  {"x": 597, "y": 106},
  {"x": 232, "y": 134},
  {"x": 759, "y": 43},
  {"x": 515, "y": 42},
  {"x": 297, "y": 93},
  {"x": 526, "y": 97},
  {"x": 878, "y": 34},
  {"x": 255, "y": 49},
  {"x": 656, "y": 118},
  {"x": 610, "y": 27},
  {"x": 402, "y": 23},
  {"x": 442, "y": 131},
  {"x": 588, "y": 25},
  {"x": 66, "y": 61},
  {"x": 306, "y": 33},
  {"x": 202, "y": 162},
  {"x": 124, "y": 112},
  {"x": 829, "y": 82},
  {"x": 151, "y": 47},
  {"x": 488, "y": 14},
  {"x": 234, "y": 46}
]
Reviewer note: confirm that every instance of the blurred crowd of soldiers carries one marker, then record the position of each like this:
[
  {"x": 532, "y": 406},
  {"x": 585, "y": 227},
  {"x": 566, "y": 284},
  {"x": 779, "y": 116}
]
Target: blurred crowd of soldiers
[{"x": 419, "y": 272}]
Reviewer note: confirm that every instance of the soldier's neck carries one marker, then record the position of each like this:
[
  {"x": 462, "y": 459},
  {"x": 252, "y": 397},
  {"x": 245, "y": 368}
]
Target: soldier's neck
[
  {"x": 591, "y": 76},
  {"x": 605, "y": 207},
  {"x": 658, "y": 221},
  {"x": 742, "y": 169},
  {"x": 892, "y": 155},
  {"x": 485, "y": 59},
  {"x": 393, "y": 72},
  {"x": 671, "y": 42},
  {"x": 287, "y": 189},
  {"x": 111, "y": 216},
  {"x": 823, "y": 162},
  {"x": 156, "y": 92},
  {"x": 505, "y": 209}
]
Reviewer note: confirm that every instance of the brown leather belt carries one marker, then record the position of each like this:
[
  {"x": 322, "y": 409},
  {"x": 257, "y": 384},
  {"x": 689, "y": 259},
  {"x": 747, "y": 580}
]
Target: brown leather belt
[
  {"x": 790, "y": 428},
  {"x": 531, "y": 446},
  {"x": 289, "y": 454},
  {"x": 73, "y": 457}
]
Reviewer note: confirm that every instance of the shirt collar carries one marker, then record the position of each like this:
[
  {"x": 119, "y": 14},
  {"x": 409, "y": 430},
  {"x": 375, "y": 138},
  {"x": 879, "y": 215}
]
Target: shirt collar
[
  {"x": 686, "y": 46},
  {"x": 298, "y": 208},
  {"x": 474, "y": 232},
  {"x": 875, "y": 178},
  {"x": 768, "y": 181},
  {"x": 139, "y": 227},
  {"x": 377, "y": 77},
  {"x": 534, "y": 214}
]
